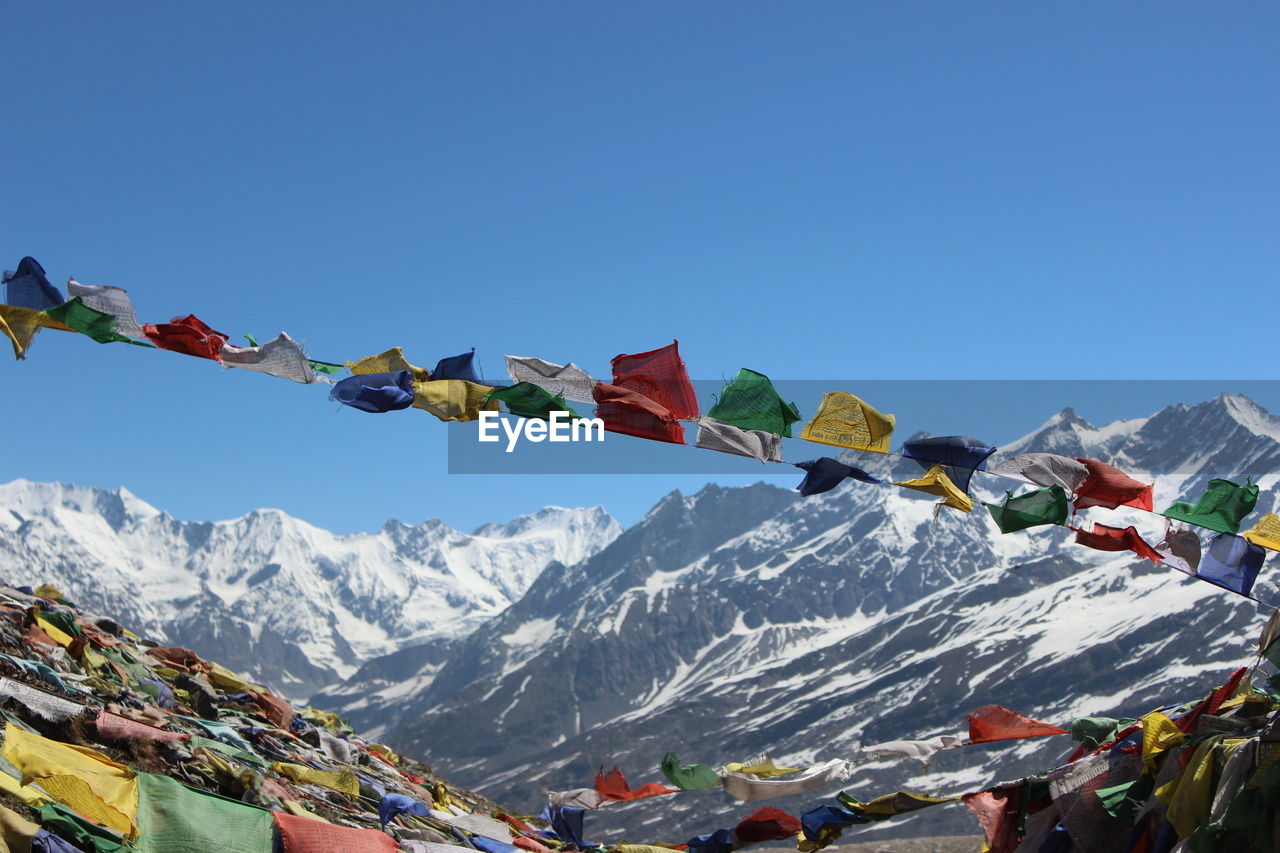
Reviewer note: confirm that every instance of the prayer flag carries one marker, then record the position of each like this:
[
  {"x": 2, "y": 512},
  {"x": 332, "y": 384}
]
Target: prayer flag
[
  {"x": 20, "y": 325},
  {"x": 630, "y": 413},
  {"x": 1231, "y": 562},
  {"x": 659, "y": 375},
  {"x": 921, "y": 750},
  {"x": 28, "y": 287},
  {"x": 689, "y": 777},
  {"x": 747, "y": 788},
  {"x": 1043, "y": 469},
  {"x": 458, "y": 367},
  {"x": 613, "y": 786},
  {"x": 727, "y": 438},
  {"x": 1222, "y": 507},
  {"x": 187, "y": 335},
  {"x": 760, "y": 766},
  {"x": 391, "y": 361},
  {"x": 1104, "y": 538},
  {"x": 566, "y": 380},
  {"x": 109, "y": 300},
  {"x": 453, "y": 399},
  {"x": 281, "y": 357},
  {"x": 1179, "y": 549},
  {"x": 89, "y": 322},
  {"x": 993, "y": 723},
  {"x": 720, "y": 841},
  {"x": 1042, "y": 506},
  {"x": 1110, "y": 487},
  {"x": 1266, "y": 533},
  {"x": 891, "y": 805},
  {"x": 375, "y": 392},
  {"x": 173, "y": 817},
  {"x": 765, "y": 824},
  {"x": 750, "y": 402},
  {"x": 936, "y": 482},
  {"x": 843, "y": 420},
  {"x": 310, "y": 835},
  {"x": 823, "y": 475},
  {"x": 823, "y": 825},
  {"x": 959, "y": 455},
  {"x": 393, "y": 805},
  {"x": 526, "y": 400}
]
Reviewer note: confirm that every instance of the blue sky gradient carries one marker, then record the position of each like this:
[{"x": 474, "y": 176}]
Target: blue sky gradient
[{"x": 853, "y": 190}]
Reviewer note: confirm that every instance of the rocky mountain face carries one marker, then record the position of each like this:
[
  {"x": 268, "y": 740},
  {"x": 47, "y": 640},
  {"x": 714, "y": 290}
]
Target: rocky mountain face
[
  {"x": 298, "y": 607},
  {"x": 737, "y": 621}
]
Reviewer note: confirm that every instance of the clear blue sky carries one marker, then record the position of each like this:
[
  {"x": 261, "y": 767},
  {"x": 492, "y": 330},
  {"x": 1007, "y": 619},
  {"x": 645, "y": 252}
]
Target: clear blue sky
[{"x": 850, "y": 190}]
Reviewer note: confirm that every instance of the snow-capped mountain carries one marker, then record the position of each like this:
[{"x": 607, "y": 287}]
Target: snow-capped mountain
[
  {"x": 293, "y": 604},
  {"x": 737, "y": 621}
]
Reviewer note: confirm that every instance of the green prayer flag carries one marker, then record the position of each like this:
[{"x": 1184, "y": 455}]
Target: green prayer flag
[
  {"x": 1222, "y": 507},
  {"x": 174, "y": 817},
  {"x": 1113, "y": 797},
  {"x": 326, "y": 368},
  {"x": 69, "y": 826},
  {"x": 751, "y": 402},
  {"x": 526, "y": 400},
  {"x": 90, "y": 322},
  {"x": 688, "y": 777},
  {"x": 1093, "y": 732},
  {"x": 242, "y": 755},
  {"x": 890, "y": 805},
  {"x": 64, "y": 620},
  {"x": 1042, "y": 506}
]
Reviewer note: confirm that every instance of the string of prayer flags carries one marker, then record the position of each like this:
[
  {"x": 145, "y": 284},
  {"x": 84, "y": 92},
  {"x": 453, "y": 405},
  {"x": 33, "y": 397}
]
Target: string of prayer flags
[
  {"x": 1109, "y": 487},
  {"x": 749, "y": 788},
  {"x": 843, "y": 420},
  {"x": 29, "y": 287},
  {"x": 994, "y": 723},
  {"x": 281, "y": 357},
  {"x": 564, "y": 380},
  {"x": 959, "y": 455},
  {"x": 689, "y": 777},
  {"x": 20, "y": 325},
  {"x": 453, "y": 399},
  {"x": 458, "y": 367},
  {"x": 375, "y": 393},
  {"x": 661, "y": 376},
  {"x": 1231, "y": 562},
  {"x": 726, "y": 438},
  {"x": 936, "y": 482},
  {"x": 823, "y": 475},
  {"x": 90, "y": 322},
  {"x": 630, "y": 413},
  {"x": 1180, "y": 549},
  {"x": 751, "y": 402},
  {"x": 1266, "y": 533},
  {"x": 921, "y": 750},
  {"x": 1043, "y": 469},
  {"x": 526, "y": 400},
  {"x": 109, "y": 300},
  {"x": 1042, "y": 506},
  {"x": 1222, "y": 507},
  {"x": 1105, "y": 538},
  {"x": 187, "y": 335},
  {"x": 391, "y": 361},
  {"x": 613, "y": 786}
]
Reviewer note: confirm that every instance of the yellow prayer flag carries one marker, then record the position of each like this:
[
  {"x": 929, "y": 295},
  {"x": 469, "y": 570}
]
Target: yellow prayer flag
[
  {"x": 936, "y": 482},
  {"x": 1159, "y": 733},
  {"x": 453, "y": 399},
  {"x": 1266, "y": 533},
  {"x": 16, "y": 831},
  {"x": 25, "y": 793},
  {"x": 229, "y": 681},
  {"x": 387, "y": 362},
  {"x": 901, "y": 802},
  {"x": 294, "y": 807},
  {"x": 85, "y": 780},
  {"x": 342, "y": 781},
  {"x": 843, "y": 420},
  {"x": 49, "y": 591},
  {"x": 20, "y": 325},
  {"x": 55, "y": 633},
  {"x": 760, "y": 769}
]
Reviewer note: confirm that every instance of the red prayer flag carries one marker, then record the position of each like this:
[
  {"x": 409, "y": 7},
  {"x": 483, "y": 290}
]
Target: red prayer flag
[
  {"x": 993, "y": 722},
  {"x": 765, "y": 824},
  {"x": 997, "y": 812},
  {"x": 1104, "y": 538},
  {"x": 526, "y": 843},
  {"x": 275, "y": 709},
  {"x": 308, "y": 835},
  {"x": 630, "y": 413},
  {"x": 659, "y": 375},
  {"x": 1110, "y": 487},
  {"x": 1212, "y": 703},
  {"x": 123, "y": 728},
  {"x": 613, "y": 786},
  {"x": 187, "y": 335}
]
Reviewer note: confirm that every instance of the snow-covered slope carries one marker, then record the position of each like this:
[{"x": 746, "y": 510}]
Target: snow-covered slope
[
  {"x": 267, "y": 593},
  {"x": 736, "y": 621}
]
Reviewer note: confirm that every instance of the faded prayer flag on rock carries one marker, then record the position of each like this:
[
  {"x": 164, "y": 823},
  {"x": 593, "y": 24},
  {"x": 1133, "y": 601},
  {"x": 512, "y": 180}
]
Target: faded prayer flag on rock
[{"x": 751, "y": 402}]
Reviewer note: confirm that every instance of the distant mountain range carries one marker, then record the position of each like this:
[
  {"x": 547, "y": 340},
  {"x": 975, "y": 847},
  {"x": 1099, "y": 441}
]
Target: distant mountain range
[
  {"x": 722, "y": 625},
  {"x": 296, "y": 606}
]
